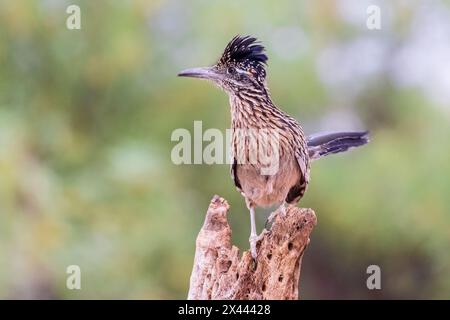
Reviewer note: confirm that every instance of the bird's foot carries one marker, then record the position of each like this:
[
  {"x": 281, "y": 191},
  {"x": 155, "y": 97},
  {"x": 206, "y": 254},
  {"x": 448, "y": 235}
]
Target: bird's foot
[
  {"x": 270, "y": 219},
  {"x": 253, "y": 241},
  {"x": 281, "y": 210}
]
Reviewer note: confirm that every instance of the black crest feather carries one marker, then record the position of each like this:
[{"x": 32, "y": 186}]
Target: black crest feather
[{"x": 244, "y": 49}]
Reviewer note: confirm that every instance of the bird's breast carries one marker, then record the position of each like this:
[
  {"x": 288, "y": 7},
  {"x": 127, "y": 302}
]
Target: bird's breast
[{"x": 267, "y": 190}]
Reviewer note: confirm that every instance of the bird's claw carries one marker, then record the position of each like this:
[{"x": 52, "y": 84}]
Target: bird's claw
[
  {"x": 281, "y": 210},
  {"x": 253, "y": 241},
  {"x": 270, "y": 219}
]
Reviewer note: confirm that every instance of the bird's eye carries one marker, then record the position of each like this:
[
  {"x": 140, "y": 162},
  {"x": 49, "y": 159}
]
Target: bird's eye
[{"x": 231, "y": 70}]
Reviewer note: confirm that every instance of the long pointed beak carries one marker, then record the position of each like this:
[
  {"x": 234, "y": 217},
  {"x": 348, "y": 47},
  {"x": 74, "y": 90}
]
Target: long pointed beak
[{"x": 202, "y": 73}]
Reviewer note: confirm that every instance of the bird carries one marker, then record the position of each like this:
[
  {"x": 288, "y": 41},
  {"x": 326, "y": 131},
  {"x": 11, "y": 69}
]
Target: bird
[{"x": 270, "y": 154}]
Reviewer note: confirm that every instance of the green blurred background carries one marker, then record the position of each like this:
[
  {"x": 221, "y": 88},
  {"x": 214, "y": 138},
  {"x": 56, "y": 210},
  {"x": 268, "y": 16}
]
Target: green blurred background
[{"x": 86, "y": 118}]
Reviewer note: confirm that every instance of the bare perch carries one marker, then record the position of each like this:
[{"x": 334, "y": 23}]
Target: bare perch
[{"x": 219, "y": 272}]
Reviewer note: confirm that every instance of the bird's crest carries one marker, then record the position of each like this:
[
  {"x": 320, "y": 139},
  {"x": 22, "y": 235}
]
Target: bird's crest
[{"x": 245, "y": 51}]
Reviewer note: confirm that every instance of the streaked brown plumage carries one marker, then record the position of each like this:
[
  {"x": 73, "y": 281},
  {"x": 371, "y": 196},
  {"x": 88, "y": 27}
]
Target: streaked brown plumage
[{"x": 258, "y": 124}]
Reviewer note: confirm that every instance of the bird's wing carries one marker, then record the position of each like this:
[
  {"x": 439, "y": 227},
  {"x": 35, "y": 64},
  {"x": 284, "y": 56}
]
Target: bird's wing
[
  {"x": 233, "y": 171},
  {"x": 298, "y": 190}
]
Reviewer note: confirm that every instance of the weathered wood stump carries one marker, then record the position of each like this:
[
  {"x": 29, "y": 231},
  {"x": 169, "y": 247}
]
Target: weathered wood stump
[{"x": 220, "y": 273}]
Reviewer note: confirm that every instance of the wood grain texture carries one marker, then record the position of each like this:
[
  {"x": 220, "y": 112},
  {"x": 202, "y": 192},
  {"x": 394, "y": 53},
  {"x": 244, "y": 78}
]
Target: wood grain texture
[{"x": 220, "y": 273}]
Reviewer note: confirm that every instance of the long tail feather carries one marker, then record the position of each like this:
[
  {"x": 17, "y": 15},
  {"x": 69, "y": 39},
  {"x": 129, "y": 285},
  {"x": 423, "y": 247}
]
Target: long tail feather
[{"x": 320, "y": 145}]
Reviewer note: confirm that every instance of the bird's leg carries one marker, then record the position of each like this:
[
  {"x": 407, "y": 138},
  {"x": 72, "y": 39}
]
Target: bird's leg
[
  {"x": 282, "y": 209},
  {"x": 271, "y": 218},
  {"x": 253, "y": 235}
]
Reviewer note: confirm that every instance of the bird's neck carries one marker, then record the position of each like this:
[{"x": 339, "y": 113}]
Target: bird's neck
[{"x": 250, "y": 107}]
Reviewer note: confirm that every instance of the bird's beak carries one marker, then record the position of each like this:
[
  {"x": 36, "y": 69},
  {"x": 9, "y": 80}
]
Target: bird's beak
[{"x": 202, "y": 73}]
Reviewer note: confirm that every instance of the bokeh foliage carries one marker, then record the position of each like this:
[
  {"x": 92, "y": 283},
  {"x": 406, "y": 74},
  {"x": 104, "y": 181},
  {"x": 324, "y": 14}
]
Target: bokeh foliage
[{"x": 86, "y": 118}]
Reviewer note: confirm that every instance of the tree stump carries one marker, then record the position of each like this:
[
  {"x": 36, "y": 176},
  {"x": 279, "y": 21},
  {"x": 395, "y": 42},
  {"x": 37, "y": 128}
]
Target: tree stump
[{"x": 220, "y": 273}]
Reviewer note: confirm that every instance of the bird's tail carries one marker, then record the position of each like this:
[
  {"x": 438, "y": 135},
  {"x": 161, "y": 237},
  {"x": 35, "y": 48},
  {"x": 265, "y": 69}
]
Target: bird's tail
[{"x": 323, "y": 144}]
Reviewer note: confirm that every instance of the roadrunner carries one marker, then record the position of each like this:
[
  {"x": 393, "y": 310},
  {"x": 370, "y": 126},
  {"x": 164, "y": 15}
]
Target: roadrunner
[{"x": 262, "y": 131}]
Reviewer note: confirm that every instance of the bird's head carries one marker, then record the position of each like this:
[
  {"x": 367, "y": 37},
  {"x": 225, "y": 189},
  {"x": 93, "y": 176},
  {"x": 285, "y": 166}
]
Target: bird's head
[{"x": 241, "y": 66}]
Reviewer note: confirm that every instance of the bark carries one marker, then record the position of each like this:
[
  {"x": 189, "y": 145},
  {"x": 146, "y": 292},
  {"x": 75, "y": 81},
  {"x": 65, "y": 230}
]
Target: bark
[{"x": 220, "y": 273}]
